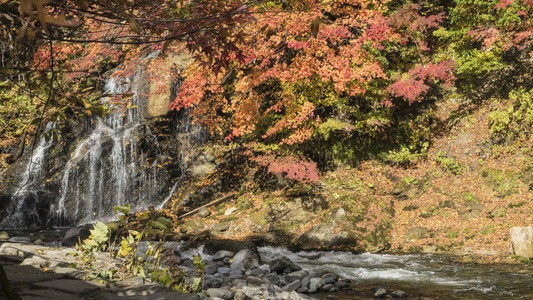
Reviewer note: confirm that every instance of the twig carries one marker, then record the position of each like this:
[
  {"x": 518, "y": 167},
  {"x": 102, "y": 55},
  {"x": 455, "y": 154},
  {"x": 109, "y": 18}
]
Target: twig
[{"x": 192, "y": 212}]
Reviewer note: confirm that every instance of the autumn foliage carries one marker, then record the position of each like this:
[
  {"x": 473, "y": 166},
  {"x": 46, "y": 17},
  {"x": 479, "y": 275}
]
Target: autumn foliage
[{"x": 282, "y": 77}]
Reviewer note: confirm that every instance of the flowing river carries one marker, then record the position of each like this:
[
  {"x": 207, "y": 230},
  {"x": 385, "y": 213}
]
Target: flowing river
[{"x": 421, "y": 276}]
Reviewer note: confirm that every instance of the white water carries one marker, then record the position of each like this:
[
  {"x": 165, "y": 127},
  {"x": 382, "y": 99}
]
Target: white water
[
  {"x": 29, "y": 184},
  {"x": 418, "y": 271}
]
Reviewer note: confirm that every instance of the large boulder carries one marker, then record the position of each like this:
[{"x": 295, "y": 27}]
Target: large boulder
[
  {"x": 522, "y": 241},
  {"x": 323, "y": 236},
  {"x": 211, "y": 247},
  {"x": 6, "y": 292},
  {"x": 245, "y": 260},
  {"x": 76, "y": 235},
  {"x": 281, "y": 263}
]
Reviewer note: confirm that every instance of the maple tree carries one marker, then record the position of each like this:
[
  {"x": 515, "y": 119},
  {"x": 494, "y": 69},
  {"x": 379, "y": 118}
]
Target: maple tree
[{"x": 284, "y": 78}]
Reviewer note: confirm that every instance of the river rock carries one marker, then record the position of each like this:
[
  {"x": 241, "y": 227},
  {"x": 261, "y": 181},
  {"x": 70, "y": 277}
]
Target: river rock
[
  {"x": 298, "y": 275},
  {"x": 254, "y": 281},
  {"x": 245, "y": 260},
  {"x": 212, "y": 282},
  {"x": 522, "y": 241},
  {"x": 73, "y": 236},
  {"x": 221, "y": 293},
  {"x": 281, "y": 263},
  {"x": 381, "y": 292},
  {"x": 211, "y": 268},
  {"x": 315, "y": 283},
  {"x": 293, "y": 286},
  {"x": 19, "y": 239},
  {"x": 399, "y": 294},
  {"x": 329, "y": 278}
]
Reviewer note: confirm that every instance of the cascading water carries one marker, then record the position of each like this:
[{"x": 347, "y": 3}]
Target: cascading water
[
  {"x": 117, "y": 160},
  {"x": 106, "y": 167},
  {"x": 24, "y": 202}
]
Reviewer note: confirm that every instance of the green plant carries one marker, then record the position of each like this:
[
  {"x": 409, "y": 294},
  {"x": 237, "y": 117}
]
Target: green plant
[
  {"x": 410, "y": 180},
  {"x": 448, "y": 163},
  {"x": 516, "y": 120}
]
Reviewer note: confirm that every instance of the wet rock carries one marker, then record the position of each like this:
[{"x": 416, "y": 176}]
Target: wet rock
[
  {"x": 19, "y": 239},
  {"x": 75, "y": 235},
  {"x": 316, "y": 283},
  {"x": 380, "y": 293},
  {"x": 399, "y": 294},
  {"x": 281, "y": 263},
  {"x": 522, "y": 241},
  {"x": 293, "y": 286},
  {"x": 298, "y": 275},
  {"x": 220, "y": 255},
  {"x": 329, "y": 278},
  {"x": 244, "y": 260},
  {"x": 327, "y": 287}
]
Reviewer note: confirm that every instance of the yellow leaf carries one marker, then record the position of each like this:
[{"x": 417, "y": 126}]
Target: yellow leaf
[{"x": 134, "y": 26}]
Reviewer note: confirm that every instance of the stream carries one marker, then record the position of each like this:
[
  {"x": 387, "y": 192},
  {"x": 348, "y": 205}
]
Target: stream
[{"x": 421, "y": 275}]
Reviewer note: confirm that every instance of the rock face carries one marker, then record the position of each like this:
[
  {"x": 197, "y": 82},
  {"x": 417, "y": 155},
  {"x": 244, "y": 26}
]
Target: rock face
[
  {"x": 107, "y": 161},
  {"x": 323, "y": 236},
  {"x": 522, "y": 241}
]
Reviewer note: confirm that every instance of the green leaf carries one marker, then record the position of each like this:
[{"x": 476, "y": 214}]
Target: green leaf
[
  {"x": 158, "y": 225},
  {"x": 122, "y": 209}
]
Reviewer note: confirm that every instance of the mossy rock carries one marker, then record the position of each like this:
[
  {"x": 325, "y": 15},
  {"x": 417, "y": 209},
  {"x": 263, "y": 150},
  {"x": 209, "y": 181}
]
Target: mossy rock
[
  {"x": 503, "y": 183},
  {"x": 194, "y": 226},
  {"x": 418, "y": 233}
]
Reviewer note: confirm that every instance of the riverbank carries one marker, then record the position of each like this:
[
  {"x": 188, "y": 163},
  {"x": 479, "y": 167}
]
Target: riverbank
[{"x": 246, "y": 272}]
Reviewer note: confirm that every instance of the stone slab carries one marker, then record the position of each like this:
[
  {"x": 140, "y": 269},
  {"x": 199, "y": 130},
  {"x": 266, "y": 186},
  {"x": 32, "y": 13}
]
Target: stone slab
[
  {"x": 156, "y": 296},
  {"x": 71, "y": 286},
  {"x": 47, "y": 294},
  {"x": 19, "y": 275}
]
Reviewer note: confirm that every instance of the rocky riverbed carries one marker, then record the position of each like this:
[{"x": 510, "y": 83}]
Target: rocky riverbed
[{"x": 233, "y": 270}]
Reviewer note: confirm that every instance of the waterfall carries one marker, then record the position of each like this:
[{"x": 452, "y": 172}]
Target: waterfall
[
  {"x": 24, "y": 202},
  {"x": 108, "y": 167},
  {"x": 116, "y": 160}
]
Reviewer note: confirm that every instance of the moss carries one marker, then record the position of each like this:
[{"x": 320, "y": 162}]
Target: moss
[
  {"x": 243, "y": 203},
  {"x": 503, "y": 183}
]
